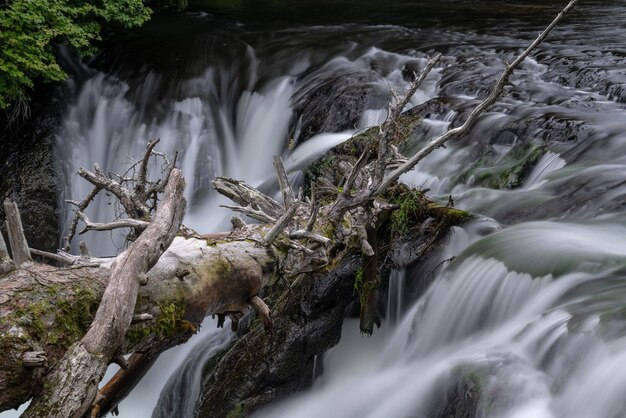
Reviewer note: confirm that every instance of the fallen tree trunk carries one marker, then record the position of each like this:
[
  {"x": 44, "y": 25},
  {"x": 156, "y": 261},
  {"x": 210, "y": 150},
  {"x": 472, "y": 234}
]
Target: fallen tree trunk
[{"x": 47, "y": 309}]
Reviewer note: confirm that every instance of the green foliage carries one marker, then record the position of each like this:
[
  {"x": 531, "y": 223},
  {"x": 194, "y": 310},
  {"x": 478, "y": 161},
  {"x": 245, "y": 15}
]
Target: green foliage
[{"x": 28, "y": 29}]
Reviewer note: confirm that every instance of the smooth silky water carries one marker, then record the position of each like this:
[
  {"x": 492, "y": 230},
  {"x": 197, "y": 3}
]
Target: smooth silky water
[{"x": 527, "y": 319}]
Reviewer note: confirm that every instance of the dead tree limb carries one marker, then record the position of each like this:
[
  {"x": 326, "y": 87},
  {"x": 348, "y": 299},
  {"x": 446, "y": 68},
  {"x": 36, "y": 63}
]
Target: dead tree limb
[
  {"x": 142, "y": 178},
  {"x": 6, "y": 264},
  {"x": 263, "y": 310},
  {"x": 120, "y": 385},
  {"x": 15, "y": 230},
  {"x": 259, "y": 215},
  {"x": 390, "y": 126},
  {"x": 81, "y": 206},
  {"x": 108, "y": 226},
  {"x": 281, "y": 224},
  {"x": 133, "y": 206},
  {"x": 495, "y": 94},
  {"x": 283, "y": 182},
  {"x": 244, "y": 194},
  {"x": 192, "y": 278},
  {"x": 71, "y": 388}
]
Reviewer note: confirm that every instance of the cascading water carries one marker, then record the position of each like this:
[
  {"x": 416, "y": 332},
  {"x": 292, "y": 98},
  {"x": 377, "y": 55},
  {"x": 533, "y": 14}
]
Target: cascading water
[
  {"x": 216, "y": 131},
  {"x": 527, "y": 320}
]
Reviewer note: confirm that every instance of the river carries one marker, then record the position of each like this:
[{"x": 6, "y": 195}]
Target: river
[{"x": 528, "y": 319}]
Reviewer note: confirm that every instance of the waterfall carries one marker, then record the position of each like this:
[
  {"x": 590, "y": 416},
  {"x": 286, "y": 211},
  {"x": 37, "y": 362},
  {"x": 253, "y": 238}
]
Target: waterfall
[
  {"x": 182, "y": 389},
  {"x": 217, "y": 129},
  {"x": 522, "y": 314}
]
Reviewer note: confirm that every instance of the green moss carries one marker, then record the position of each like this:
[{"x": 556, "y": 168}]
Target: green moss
[
  {"x": 451, "y": 216},
  {"x": 239, "y": 411},
  {"x": 465, "y": 397},
  {"x": 510, "y": 171},
  {"x": 169, "y": 322},
  {"x": 358, "y": 280},
  {"x": 328, "y": 230},
  {"x": 58, "y": 319},
  {"x": 169, "y": 318},
  {"x": 410, "y": 209},
  {"x": 362, "y": 287}
]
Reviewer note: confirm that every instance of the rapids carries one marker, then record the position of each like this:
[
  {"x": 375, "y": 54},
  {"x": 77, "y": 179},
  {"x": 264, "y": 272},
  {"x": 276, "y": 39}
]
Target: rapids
[{"x": 527, "y": 319}]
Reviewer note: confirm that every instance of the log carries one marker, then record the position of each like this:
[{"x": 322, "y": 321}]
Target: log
[{"x": 45, "y": 308}]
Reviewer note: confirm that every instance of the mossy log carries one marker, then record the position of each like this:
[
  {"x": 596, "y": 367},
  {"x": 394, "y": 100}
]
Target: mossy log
[{"x": 46, "y": 309}]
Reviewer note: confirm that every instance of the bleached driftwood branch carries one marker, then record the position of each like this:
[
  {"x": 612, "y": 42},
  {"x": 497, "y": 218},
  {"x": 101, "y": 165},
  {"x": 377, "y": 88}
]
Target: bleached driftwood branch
[{"x": 71, "y": 388}]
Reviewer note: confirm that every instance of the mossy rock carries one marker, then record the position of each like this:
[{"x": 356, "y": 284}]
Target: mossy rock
[
  {"x": 510, "y": 170},
  {"x": 464, "y": 396}
]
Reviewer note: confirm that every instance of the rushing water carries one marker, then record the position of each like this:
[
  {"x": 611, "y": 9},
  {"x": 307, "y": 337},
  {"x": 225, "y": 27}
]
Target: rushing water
[{"x": 527, "y": 320}]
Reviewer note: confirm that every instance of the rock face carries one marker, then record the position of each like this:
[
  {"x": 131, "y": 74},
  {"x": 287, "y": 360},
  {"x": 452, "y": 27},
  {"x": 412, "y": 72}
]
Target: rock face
[
  {"x": 27, "y": 171},
  {"x": 333, "y": 102}
]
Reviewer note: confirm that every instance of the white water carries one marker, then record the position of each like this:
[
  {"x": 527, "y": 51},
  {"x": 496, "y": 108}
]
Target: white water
[
  {"x": 511, "y": 332},
  {"x": 106, "y": 127},
  {"x": 531, "y": 314}
]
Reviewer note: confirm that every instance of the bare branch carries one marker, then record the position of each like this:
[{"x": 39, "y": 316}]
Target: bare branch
[
  {"x": 70, "y": 259},
  {"x": 305, "y": 234},
  {"x": 242, "y": 193},
  {"x": 263, "y": 310},
  {"x": 281, "y": 224},
  {"x": 253, "y": 213},
  {"x": 33, "y": 359},
  {"x": 390, "y": 126},
  {"x": 56, "y": 257},
  {"x": 133, "y": 206},
  {"x": 159, "y": 186},
  {"x": 120, "y": 223},
  {"x": 478, "y": 110},
  {"x": 4, "y": 252},
  {"x": 6, "y": 264},
  {"x": 143, "y": 168},
  {"x": 366, "y": 248},
  {"x": 77, "y": 375},
  {"x": 358, "y": 166},
  {"x": 82, "y": 205},
  {"x": 283, "y": 181},
  {"x": 311, "y": 223},
  {"x": 398, "y": 108},
  {"x": 142, "y": 318}
]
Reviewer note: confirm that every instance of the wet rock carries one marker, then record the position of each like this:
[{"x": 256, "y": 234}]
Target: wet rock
[
  {"x": 470, "y": 77},
  {"x": 334, "y": 102},
  {"x": 260, "y": 367},
  {"x": 27, "y": 171},
  {"x": 587, "y": 74},
  {"x": 462, "y": 398}
]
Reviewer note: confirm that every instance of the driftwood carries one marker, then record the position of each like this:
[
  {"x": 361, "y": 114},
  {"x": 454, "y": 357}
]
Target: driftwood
[
  {"x": 15, "y": 230},
  {"x": 192, "y": 279},
  {"x": 71, "y": 388}
]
